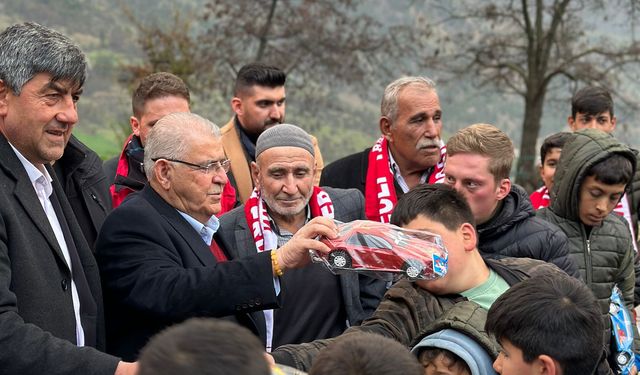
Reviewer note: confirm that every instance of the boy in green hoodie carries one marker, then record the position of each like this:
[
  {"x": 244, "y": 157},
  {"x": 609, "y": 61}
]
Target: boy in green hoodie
[{"x": 594, "y": 172}]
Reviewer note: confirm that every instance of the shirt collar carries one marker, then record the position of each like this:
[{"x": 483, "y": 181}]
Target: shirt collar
[
  {"x": 35, "y": 175},
  {"x": 207, "y": 230},
  {"x": 398, "y": 176}
]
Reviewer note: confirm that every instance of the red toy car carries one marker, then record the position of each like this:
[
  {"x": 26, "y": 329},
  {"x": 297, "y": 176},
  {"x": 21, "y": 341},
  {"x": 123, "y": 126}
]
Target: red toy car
[{"x": 364, "y": 245}]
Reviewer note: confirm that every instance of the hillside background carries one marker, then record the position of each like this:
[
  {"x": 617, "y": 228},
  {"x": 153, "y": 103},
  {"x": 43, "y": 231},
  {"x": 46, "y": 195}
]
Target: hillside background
[{"x": 343, "y": 116}]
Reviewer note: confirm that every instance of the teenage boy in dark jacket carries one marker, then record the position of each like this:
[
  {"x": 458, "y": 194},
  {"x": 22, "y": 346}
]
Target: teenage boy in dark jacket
[
  {"x": 410, "y": 307},
  {"x": 594, "y": 172},
  {"x": 479, "y": 159}
]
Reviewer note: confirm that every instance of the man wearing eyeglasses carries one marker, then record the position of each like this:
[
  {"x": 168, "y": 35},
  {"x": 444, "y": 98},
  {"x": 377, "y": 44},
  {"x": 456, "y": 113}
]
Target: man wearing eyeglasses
[{"x": 157, "y": 252}]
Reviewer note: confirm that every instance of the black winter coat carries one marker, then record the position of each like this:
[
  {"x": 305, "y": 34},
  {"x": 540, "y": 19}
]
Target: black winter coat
[{"x": 515, "y": 231}]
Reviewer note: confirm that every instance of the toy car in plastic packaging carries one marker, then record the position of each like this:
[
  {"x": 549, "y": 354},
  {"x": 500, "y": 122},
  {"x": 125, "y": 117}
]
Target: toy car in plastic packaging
[
  {"x": 621, "y": 324},
  {"x": 379, "y": 249}
]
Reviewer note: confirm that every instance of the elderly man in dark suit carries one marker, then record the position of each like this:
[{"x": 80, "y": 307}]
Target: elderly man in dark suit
[
  {"x": 314, "y": 303},
  {"x": 50, "y": 297},
  {"x": 158, "y": 256}
]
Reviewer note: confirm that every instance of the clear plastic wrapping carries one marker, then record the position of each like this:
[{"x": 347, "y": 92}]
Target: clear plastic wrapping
[{"x": 382, "y": 250}]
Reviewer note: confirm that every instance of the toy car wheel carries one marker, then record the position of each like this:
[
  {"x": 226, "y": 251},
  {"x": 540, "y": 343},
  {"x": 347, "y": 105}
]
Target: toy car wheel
[
  {"x": 412, "y": 268},
  {"x": 622, "y": 358},
  {"x": 339, "y": 259}
]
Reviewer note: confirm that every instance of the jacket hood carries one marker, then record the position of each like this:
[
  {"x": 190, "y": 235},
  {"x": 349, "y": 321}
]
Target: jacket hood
[
  {"x": 514, "y": 208},
  {"x": 476, "y": 358},
  {"x": 583, "y": 150},
  {"x": 467, "y": 318}
]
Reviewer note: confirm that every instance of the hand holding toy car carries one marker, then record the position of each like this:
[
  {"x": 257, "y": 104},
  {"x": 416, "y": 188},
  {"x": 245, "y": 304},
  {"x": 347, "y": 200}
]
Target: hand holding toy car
[{"x": 295, "y": 253}]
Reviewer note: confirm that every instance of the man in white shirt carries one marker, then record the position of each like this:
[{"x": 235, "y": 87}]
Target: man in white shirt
[{"x": 50, "y": 296}]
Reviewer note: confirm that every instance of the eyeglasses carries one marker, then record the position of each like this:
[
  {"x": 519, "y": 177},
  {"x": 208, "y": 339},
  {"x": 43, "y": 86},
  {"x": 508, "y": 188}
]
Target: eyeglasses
[{"x": 214, "y": 166}]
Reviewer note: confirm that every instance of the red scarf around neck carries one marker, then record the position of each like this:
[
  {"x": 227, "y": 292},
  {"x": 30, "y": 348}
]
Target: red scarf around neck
[
  {"x": 380, "y": 193},
  {"x": 258, "y": 219}
]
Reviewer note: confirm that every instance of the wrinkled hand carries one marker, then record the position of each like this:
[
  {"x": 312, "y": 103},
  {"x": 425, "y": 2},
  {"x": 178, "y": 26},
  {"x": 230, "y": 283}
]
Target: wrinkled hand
[{"x": 295, "y": 253}]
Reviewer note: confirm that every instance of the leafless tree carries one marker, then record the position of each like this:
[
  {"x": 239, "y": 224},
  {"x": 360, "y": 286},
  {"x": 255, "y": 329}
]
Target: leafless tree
[
  {"x": 321, "y": 41},
  {"x": 530, "y": 48}
]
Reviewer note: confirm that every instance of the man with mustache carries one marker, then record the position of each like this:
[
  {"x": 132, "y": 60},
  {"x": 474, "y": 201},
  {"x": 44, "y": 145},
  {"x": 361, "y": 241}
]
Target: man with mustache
[
  {"x": 314, "y": 303},
  {"x": 259, "y": 103},
  {"x": 158, "y": 253},
  {"x": 409, "y": 152},
  {"x": 51, "y": 319}
]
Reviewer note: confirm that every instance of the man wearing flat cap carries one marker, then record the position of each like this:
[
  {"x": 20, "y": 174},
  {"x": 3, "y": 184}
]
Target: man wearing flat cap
[
  {"x": 158, "y": 252},
  {"x": 313, "y": 302}
]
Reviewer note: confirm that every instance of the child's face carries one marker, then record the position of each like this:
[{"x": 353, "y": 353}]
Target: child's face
[
  {"x": 597, "y": 200},
  {"x": 456, "y": 242},
  {"x": 548, "y": 168},
  {"x": 442, "y": 366},
  {"x": 603, "y": 121},
  {"x": 511, "y": 362}
]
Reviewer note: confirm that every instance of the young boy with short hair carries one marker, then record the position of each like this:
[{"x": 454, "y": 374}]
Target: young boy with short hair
[
  {"x": 594, "y": 172},
  {"x": 549, "y": 157},
  {"x": 366, "y": 353},
  {"x": 410, "y": 307},
  {"x": 547, "y": 325}
]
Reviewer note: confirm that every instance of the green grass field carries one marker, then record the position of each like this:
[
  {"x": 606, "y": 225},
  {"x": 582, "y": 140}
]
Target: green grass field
[{"x": 105, "y": 145}]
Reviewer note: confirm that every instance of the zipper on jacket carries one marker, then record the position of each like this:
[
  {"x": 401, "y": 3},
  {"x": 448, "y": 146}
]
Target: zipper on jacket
[
  {"x": 95, "y": 198},
  {"x": 587, "y": 262}
]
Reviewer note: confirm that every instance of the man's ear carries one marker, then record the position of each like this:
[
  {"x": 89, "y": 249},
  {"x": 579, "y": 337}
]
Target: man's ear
[
  {"x": 572, "y": 123},
  {"x": 135, "y": 125},
  {"x": 4, "y": 98},
  {"x": 504, "y": 187},
  {"x": 546, "y": 365},
  {"x": 255, "y": 174},
  {"x": 163, "y": 173},
  {"x": 236, "y": 106},
  {"x": 385, "y": 127},
  {"x": 469, "y": 236}
]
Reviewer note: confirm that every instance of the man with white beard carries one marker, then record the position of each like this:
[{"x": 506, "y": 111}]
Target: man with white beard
[{"x": 313, "y": 302}]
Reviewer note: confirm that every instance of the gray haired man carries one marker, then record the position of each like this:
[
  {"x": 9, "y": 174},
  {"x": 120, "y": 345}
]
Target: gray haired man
[
  {"x": 159, "y": 254},
  {"x": 50, "y": 297},
  {"x": 282, "y": 204},
  {"x": 409, "y": 151}
]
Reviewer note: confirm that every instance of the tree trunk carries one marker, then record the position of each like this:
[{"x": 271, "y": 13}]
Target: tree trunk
[
  {"x": 264, "y": 33},
  {"x": 526, "y": 174}
]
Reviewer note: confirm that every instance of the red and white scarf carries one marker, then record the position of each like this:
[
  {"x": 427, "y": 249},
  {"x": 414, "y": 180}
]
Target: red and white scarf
[
  {"x": 540, "y": 198},
  {"x": 379, "y": 190},
  {"x": 622, "y": 209},
  {"x": 258, "y": 218},
  {"x": 264, "y": 238}
]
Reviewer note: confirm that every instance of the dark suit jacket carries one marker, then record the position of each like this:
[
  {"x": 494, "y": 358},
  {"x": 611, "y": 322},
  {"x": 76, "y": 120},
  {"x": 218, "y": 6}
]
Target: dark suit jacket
[
  {"x": 361, "y": 294},
  {"x": 157, "y": 271},
  {"x": 85, "y": 185},
  {"x": 37, "y": 322},
  {"x": 350, "y": 172}
]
